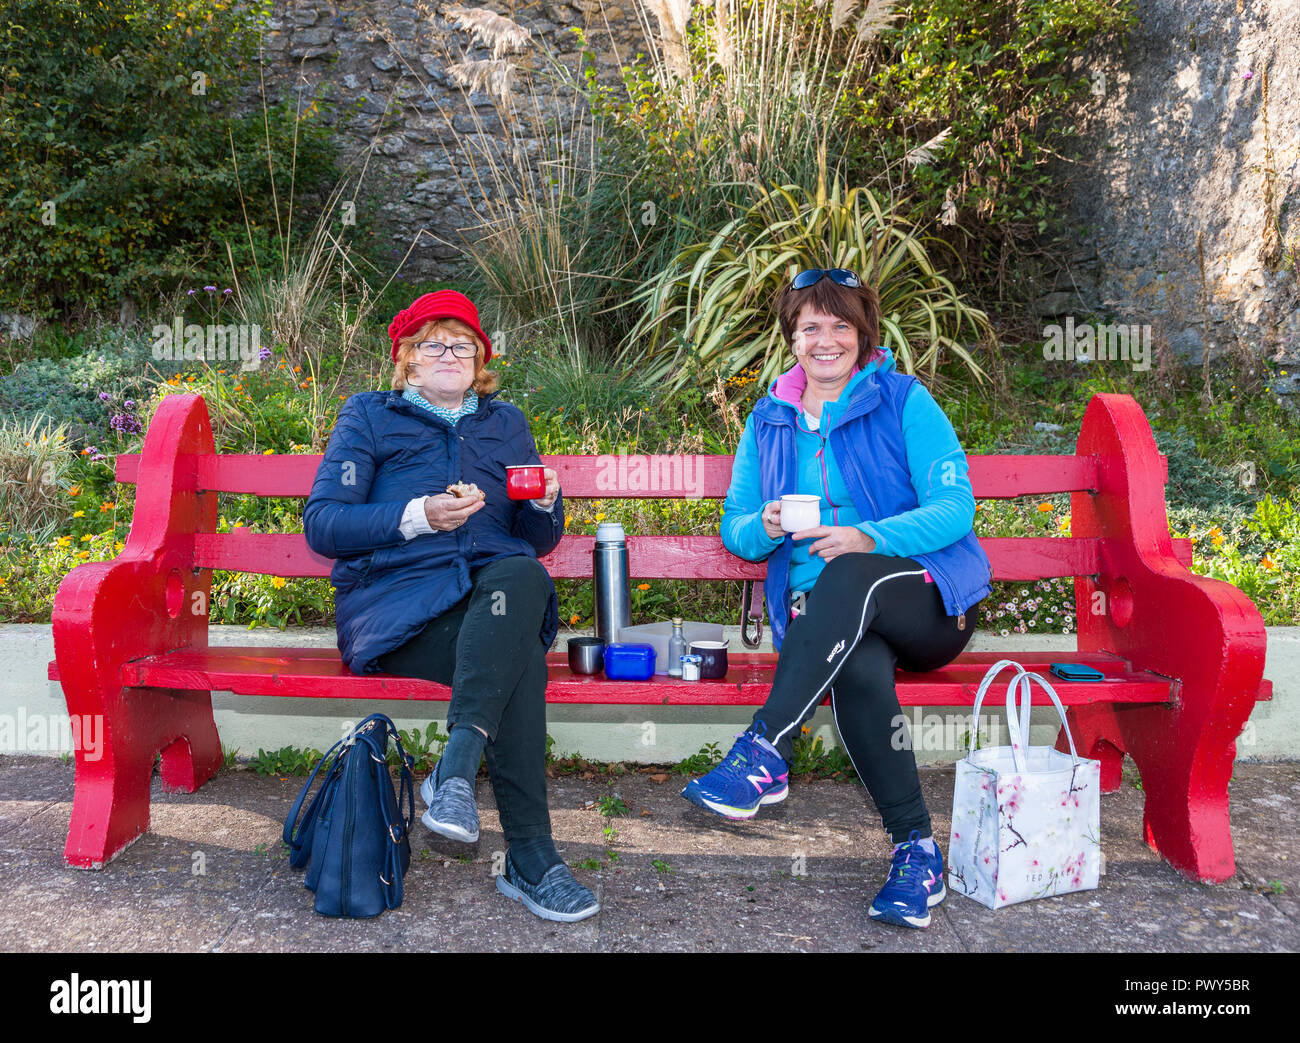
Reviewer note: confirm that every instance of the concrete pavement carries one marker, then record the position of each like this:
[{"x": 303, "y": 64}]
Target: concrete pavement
[{"x": 210, "y": 875}]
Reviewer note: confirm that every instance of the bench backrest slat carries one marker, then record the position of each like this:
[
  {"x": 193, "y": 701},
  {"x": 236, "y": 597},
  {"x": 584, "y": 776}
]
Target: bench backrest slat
[
  {"x": 649, "y": 557},
  {"x": 629, "y": 477}
]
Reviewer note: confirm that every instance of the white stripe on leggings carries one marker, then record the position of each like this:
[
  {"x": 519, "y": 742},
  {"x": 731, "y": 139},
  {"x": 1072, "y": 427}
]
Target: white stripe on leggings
[{"x": 858, "y": 637}]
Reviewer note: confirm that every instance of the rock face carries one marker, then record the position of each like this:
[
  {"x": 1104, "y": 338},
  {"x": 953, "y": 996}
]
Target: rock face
[
  {"x": 1176, "y": 150},
  {"x": 1187, "y": 195},
  {"x": 384, "y": 65}
]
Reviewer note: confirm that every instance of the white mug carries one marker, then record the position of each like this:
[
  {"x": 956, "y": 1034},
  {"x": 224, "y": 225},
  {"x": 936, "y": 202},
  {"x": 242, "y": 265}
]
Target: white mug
[{"x": 800, "y": 511}]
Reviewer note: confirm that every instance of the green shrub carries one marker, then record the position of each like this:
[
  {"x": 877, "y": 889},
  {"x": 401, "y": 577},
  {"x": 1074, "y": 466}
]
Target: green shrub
[
  {"x": 118, "y": 120},
  {"x": 994, "y": 82}
]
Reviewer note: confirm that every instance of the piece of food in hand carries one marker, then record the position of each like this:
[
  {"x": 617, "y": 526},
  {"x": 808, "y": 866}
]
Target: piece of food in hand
[{"x": 464, "y": 490}]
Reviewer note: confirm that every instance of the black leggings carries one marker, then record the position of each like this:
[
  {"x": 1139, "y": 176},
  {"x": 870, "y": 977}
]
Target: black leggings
[
  {"x": 866, "y": 614},
  {"x": 488, "y": 648}
]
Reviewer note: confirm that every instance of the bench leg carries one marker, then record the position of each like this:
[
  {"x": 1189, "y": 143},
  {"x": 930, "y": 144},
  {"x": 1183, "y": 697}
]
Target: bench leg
[
  {"x": 1184, "y": 775},
  {"x": 1095, "y": 734},
  {"x": 110, "y": 804}
]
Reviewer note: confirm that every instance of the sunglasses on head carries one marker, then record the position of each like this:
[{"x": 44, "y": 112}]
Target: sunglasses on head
[{"x": 812, "y": 276}]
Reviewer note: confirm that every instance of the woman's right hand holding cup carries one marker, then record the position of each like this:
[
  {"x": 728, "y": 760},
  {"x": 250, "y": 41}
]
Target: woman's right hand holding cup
[{"x": 772, "y": 520}]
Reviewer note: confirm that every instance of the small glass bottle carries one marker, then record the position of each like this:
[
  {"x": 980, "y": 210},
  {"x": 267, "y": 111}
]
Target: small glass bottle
[{"x": 676, "y": 649}]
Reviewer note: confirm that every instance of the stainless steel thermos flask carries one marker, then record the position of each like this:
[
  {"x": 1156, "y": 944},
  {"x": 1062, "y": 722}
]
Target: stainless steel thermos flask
[{"x": 613, "y": 588}]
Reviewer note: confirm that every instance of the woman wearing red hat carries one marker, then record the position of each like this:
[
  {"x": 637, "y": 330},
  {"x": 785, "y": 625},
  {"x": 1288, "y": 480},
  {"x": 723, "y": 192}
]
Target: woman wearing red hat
[{"x": 436, "y": 576}]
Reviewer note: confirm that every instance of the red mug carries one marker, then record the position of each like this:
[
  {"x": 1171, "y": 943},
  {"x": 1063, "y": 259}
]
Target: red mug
[{"x": 526, "y": 482}]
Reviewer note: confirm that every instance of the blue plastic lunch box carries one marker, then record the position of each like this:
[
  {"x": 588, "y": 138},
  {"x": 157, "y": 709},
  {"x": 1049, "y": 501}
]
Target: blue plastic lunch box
[{"x": 625, "y": 662}]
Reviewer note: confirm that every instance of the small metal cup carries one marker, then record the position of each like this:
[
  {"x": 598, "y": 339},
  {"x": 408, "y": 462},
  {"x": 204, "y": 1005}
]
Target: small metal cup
[{"x": 586, "y": 655}]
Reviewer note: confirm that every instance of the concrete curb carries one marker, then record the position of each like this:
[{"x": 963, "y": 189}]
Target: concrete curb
[{"x": 34, "y": 720}]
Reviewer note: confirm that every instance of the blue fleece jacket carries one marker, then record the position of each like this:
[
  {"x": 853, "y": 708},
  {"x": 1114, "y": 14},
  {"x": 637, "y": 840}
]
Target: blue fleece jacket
[{"x": 935, "y": 460}]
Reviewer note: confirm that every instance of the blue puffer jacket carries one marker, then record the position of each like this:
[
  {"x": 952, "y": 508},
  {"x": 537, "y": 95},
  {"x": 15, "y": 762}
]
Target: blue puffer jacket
[{"x": 383, "y": 453}]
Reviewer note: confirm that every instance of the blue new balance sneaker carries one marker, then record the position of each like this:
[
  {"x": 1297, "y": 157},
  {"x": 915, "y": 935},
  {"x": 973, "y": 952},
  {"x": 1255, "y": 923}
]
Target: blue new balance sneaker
[
  {"x": 751, "y": 775},
  {"x": 915, "y": 885}
]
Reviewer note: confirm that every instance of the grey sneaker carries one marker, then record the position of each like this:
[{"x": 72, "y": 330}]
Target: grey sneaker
[
  {"x": 557, "y": 896},
  {"x": 452, "y": 812}
]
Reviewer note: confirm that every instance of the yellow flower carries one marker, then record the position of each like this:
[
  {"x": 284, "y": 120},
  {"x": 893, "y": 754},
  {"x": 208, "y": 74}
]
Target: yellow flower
[
  {"x": 2, "y": 581},
  {"x": 87, "y": 538},
  {"x": 78, "y": 514},
  {"x": 600, "y": 517},
  {"x": 64, "y": 541},
  {"x": 277, "y": 582},
  {"x": 1216, "y": 531},
  {"x": 74, "y": 490},
  {"x": 268, "y": 452},
  {"x": 643, "y": 586},
  {"x": 1064, "y": 523},
  {"x": 1268, "y": 563},
  {"x": 83, "y": 554},
  {"x": 568, "y": 519},
  {"x": 118, "y": 545},
  {"x": 805, "y": 729},
  {"x": 1044, "y": 507},
  {"x": 1217, "y": 539}
]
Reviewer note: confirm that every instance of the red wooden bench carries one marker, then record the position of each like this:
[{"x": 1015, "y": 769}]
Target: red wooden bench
[{"x": 1185, "y": 654}]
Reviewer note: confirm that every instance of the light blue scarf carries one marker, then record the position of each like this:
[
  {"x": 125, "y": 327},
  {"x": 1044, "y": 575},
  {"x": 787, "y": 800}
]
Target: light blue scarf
[{"x": 469, "y": 405}]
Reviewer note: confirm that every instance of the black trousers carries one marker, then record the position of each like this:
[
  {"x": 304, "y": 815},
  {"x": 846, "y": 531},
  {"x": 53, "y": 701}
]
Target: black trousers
[
  {"x": 866, "y": 614},
  {"x": 488, "y": 648}
]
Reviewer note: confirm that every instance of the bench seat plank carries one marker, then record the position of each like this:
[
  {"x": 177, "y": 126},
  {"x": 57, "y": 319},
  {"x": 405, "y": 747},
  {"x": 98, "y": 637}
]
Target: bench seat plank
[{"x": 320, "y": 673}]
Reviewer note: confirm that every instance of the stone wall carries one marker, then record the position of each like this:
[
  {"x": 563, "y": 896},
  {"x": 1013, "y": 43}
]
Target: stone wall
[
  {"x": 1177, "y": 152},
  {"x": 384, "y": 63}
]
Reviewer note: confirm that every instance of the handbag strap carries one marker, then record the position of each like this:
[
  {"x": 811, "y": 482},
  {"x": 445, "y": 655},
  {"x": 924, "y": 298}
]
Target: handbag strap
[
  {"x": 1020, "y": 729},
  {"x": 377, "y": 745},
  {"x": 989, "y": 678},
  {"x": 291, "y": 822}
]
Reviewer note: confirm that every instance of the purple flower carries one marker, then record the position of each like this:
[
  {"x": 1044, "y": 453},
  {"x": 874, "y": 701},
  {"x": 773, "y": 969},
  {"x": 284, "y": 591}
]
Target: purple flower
[
  {"x": 127, "y": 423},
  {"x": 104, "y": 396},
  {"x": 189, "y": 293},
  {"x": 210, "y": 289},
  {"x": 227, "y": 290},
  {"x": 1248, "y": 74},
  {"x": 129, "y": 403},
  {"x": 264, "y": 354},
  {"x": 97, "y": 457}
]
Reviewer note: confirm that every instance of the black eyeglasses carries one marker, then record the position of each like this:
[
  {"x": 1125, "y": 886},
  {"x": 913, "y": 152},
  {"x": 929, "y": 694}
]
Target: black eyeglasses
[
  {"x": 435, "y": 350},
  {"x": 812, "y": 276}
]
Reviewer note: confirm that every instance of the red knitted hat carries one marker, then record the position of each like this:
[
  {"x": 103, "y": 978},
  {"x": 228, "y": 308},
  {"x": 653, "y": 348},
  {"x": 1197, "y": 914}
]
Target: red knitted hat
[{"x": 441, "y": 304}]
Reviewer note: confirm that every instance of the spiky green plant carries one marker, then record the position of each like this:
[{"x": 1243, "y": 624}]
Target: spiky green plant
[{"x": 710, "y": 313}]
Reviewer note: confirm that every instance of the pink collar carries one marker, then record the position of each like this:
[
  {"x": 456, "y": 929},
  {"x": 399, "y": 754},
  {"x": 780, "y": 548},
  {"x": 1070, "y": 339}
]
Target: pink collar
[{"x": 791, "y": 384}]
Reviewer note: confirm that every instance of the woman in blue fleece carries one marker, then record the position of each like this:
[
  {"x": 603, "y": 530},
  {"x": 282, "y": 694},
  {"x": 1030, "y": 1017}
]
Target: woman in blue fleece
[{"x": 891, "y": 577}]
